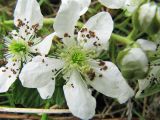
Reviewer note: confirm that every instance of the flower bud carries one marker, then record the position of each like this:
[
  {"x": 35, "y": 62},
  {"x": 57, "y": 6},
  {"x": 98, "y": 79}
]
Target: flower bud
[
  {"x": 133, "y": 63},
  {"x": 146, "y": 45},
  {"x": 146, "y": 16},
  {"x": 131, "y": 6}
]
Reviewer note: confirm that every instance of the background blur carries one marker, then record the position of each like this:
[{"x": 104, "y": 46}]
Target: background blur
[{"x": 147, "y": 108}]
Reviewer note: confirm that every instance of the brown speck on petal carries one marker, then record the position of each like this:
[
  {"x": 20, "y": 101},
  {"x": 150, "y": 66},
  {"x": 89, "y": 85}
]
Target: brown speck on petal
[
  {"x": 66, "y": 35},
  {"x": 91, "y": 74},
  {"x": 101, "y": 63},
  {"x": 72, "y": 85},
  {"x": 105, "y": 68},
  {"x": 3, "y": 70},
  {"x": 100, "y": 75}
]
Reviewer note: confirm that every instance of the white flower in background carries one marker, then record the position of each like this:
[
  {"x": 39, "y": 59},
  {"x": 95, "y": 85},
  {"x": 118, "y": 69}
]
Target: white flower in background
[
  {"x": 146, "y": 15},
  {"x": 147, "y": 46},
  {"x": 129, "y": 5},
  {"x": 22, "y": 45},
  {"x": 76, "y": 60},
  {"x": 134, "y": 63}
]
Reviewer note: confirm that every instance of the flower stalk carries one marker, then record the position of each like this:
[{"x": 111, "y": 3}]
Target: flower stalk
[{"x": 44, "y": 115}]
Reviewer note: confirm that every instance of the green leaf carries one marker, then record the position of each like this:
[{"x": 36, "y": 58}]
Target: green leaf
[
  {"x": 150, "y": 91},
  {"x": 28, "y": 97},
  {"x": 58, "y": 96}
]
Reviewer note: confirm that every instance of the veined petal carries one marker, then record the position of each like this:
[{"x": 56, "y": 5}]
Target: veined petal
[
  {"x": 146, "y": 14},
  {"x": 44, "y": 46},
  {"x": 40, "y": 71},
  {"x": 106, "y": 78},
  {"x": 8, "y": 75},
  {"x": 47, "y": 91},
  {"x": 28, "y": 16},
  {"x": 67, "y": 18},
  {"x": 113, "y": 4},
  {"x": 84, "y": 5},
  {"x": 136, "y": 55},
  {"x": 147, "y": 45},
  {"x": 96, "y": 32},
  {"x": 79, "y": 99}
]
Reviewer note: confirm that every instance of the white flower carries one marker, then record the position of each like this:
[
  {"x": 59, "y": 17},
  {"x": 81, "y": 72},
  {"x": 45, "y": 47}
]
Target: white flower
[
  {"x": 22, "y": 45},
  {"x": 146, "y": 15},
  {"x": 134, "y": 63},
  {"x": 75, "y": 60},
  {"x": 147, "y": 45},
  {"x": 129, "y": 5}
]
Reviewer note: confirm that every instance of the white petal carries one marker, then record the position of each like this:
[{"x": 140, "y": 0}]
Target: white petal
[
  {"x": 108, "y": 80},
  {"x": 28, "y": 11},
  {"x": 44, "y": 46},
  {"x": 132, "y": 5},
  {"x": 136, "y": 55},
  {"x": 8, "y": 75},
  {"x": 146, "y": 14},
  {"x": 67, "y": 18},
  {"x": 46, "y": 92},
  {"x": 84, "y": 5},
  {"x": 113, "y": 4},
  {"x": 78, "y": 97},
  {"x": 147, "y": 45},
  {"x": 102, "y": 26},
  {"x": 39, "y": 71}
]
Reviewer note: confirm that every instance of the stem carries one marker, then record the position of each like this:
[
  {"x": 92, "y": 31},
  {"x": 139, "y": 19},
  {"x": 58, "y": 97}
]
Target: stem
[
  {"x": 44, "y": 115},
  {"x": 133, "y": 33},
  {"x": 46, "y": 21},
  {"x": 135, "y": 30},
  {"x": 121, "y": 39}
]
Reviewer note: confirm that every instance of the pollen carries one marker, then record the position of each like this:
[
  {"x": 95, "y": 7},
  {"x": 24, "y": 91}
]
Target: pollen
[
  {"x": 78, "y": 57},
  {"x": 18, "y": 47}
]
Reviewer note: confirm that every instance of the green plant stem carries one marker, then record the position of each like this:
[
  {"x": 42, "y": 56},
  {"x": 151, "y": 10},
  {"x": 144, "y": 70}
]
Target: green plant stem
[
  {"x": 121, "y": 39},
  {"x": 50, "y": 21},
  {"x": 44, "y": 115},
  {"x": 46, "y": 21},
  {"x": 133, "y": 33}
]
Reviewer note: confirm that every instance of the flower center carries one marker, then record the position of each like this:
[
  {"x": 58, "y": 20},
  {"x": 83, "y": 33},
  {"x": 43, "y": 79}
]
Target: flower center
[
  {"x": 78, "y": 57},
  {"x": 18, "y": 47},
  {"x": 75, "y": 57}
]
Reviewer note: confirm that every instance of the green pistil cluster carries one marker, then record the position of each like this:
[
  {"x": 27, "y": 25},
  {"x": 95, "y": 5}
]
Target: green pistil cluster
[
  {"x": 18, "y": 48},
  {"x": 78, "y": 57},
  {"x": 75, "y": 57}
]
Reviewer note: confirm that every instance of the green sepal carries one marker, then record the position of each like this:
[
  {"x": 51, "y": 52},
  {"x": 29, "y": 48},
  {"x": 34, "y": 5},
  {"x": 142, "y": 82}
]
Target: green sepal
[{"x": 150, "y": 91}]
